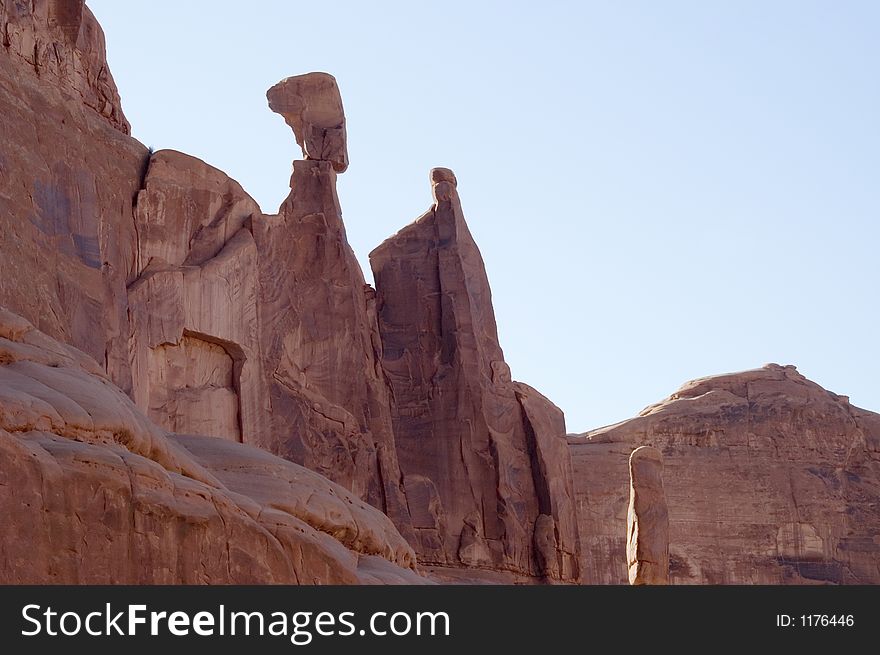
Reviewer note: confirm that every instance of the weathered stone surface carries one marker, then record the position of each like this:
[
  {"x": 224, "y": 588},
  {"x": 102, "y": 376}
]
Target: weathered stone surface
[
  {"x": 68, "y": 175},
  {"x": 62, "y": 42},
  {"x": 647, "y": 519},
  {"x": 194, "y": 319},
  {"x": 556, "y": 537},
  {"x": 327, "y": 393},
  {"x": 260, "y": 329},
  {"x": 280, "y": 485},
  {"x": 187, "y": 211},
  {"x": 98, "y": 494},
  {"x": 312, "y": 106},
  {"x": 476, "y": 464},
  {"x": 228, "y": 326},
  {"x": 769, "y": 479}
]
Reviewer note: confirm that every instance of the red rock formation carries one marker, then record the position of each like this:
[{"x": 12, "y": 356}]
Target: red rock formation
[
  {"x": 68, "y": 176},
  {"x": 79, "y": 261},
  {"x": 63, "y": 43},
  {"x": 222, "y": 321},
  {"x": 324, "y": 392},
  {"x": 647, "y": 519},
  {"x": 486, "y": 473},
  {"x": 328, "y": 397},
  {"x": 228, "y": 325},
  {"x": 312, "y": 107},
  {"x": 195, "y": 333},
  {"x": 95, "y": 493},
  {"x": 769, "y": 478}
]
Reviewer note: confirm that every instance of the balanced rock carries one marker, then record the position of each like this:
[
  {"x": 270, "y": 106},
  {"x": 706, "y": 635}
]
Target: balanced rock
[
  {"x": 312, "y": 106},
  {"x": 647, "y": 520}
]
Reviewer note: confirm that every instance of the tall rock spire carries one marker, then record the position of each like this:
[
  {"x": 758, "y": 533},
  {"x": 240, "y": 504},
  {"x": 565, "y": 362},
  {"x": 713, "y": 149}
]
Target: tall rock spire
[
  {"x": 647, "y": 521},
  {"x": 475, "y": 463},
  {"x": 329, "y": 400}
]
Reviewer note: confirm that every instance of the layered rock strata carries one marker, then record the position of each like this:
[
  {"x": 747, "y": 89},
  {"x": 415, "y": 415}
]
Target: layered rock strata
[{"x": 769, "y": 478}]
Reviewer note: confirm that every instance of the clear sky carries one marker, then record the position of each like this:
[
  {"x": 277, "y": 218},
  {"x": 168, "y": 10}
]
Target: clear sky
[{"x": 660, "y": 190}]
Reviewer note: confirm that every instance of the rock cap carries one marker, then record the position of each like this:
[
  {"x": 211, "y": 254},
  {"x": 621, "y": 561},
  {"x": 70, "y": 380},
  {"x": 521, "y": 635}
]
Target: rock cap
[{"x": 312, "y": 106}]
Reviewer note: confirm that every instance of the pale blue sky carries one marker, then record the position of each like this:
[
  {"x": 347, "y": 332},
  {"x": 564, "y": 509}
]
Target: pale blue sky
[{"x": 661, "y": 190}]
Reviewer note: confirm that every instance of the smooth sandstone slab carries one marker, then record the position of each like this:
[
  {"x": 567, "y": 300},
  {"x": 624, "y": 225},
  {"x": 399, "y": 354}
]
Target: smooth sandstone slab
[{"x": 98, "y": 494}]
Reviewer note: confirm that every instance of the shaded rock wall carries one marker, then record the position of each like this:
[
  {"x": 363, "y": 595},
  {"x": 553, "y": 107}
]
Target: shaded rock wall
[
  {"x": 769, "y": 478},
  {"x": 258, "y": 328},
  {"x": 328, "y": 398}
]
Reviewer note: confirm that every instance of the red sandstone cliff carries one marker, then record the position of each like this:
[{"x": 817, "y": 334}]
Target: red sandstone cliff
[
  {"x": 221, "y": 321},
  {"x": 193, "y": 391},
  {"x": 769, "y": 479},
  {"x": 486, "y": 472}
]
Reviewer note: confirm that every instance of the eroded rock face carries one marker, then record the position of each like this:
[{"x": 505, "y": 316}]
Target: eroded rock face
[
  {"x": 260, "y": 329},
  {"x": 312, "y": 106},
  {"x": 483, "y": 458},
  {"x": 98, "y": 494},
  {"x": 327, "y": 394},
  {"x": 647, "y": 519},
  {"x": 62, "y": 41},
  {"x": 769, "y": 478},
  {"x": 227, "y": 325},
  {"x": 68, "y": 177},
  {"x": 195, "y": 334}
]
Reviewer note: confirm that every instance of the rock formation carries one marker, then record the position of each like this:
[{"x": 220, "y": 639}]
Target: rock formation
[
  {"x": 221, "y": 321},
  {"x": 770, "y": 479},
  {"x": 328, "y": 397},
  {"x": 61, "y": 41},
  {"x": 259, "y": 328},
  {"x": 312, "y": 106},
  {"x": 92, "y": 492},
  {"x": 647, "y": 519},
  {"x": 194, "y": 391},
  {"x": 194, "y": 341},
  {"x": 68, "y": 176},
  {"x": 485, "y": 468},
  {"x": 151, "y": 265}
]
